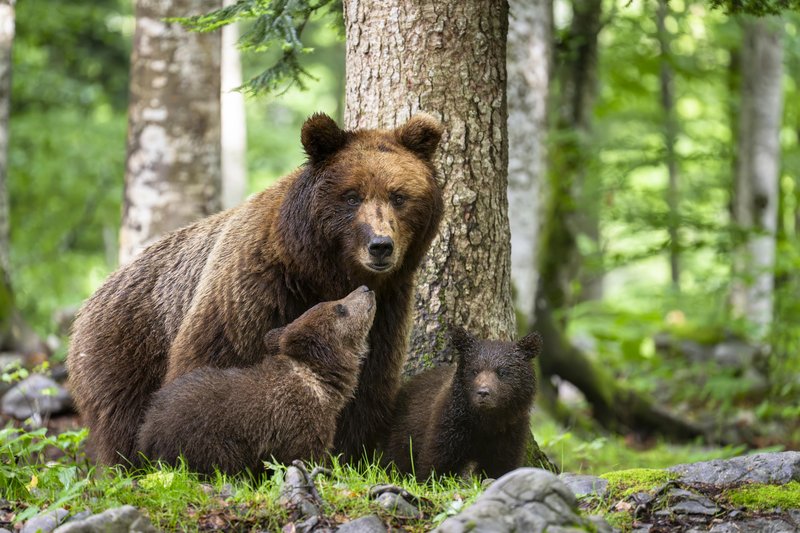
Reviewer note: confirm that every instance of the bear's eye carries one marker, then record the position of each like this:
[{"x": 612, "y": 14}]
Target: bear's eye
[
  {"x": 341, "y": 310},
  {"x": 503, "y": 373},
  {"x": 473, "y": 372},
  {"x": 352, "y": 198},
  {"x": 398, "y": 199}
]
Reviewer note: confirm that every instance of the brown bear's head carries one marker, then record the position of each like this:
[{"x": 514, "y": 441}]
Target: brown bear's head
[
  {"x": 368, "y": 198},
  {"x": 331, "y": 337},
  {"x": 495, "y": 377}
]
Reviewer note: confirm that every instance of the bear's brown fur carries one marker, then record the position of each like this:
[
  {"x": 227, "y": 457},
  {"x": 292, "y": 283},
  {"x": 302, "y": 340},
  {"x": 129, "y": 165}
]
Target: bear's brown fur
[
  {"x": 283, "y": 408},
  {"x": 471, "y": 418},
  {"x": 362, "y": 211}
]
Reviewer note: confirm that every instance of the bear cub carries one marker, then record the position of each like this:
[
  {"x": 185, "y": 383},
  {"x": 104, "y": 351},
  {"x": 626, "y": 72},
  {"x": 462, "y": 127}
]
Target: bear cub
[
  {"x": 284, "y": 408},
  {"x": 471, "y": 418}
]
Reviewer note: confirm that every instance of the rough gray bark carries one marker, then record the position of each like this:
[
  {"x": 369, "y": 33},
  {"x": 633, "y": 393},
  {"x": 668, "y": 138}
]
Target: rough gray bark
[
  {"x": 233, "y": 122},
  {"x": 528, "y": 63},
  {"x": 445, "y": 57},
  {"x": 666, "y": 76},
  {"x": 755, "y": 204},
  {"x": 172, "y": 174}
]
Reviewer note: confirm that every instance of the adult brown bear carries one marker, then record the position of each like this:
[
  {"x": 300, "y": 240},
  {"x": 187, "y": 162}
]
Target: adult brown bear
[{"x": 362, "y": 211}]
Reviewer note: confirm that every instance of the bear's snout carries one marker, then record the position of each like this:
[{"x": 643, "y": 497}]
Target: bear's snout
[{"x": 381, "y": 247}]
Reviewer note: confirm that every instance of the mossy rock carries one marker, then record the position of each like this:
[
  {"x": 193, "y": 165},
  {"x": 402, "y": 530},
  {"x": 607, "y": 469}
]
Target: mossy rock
[
  {"x": 623, "y": 483},
  {"x": 759, "y": 497}
]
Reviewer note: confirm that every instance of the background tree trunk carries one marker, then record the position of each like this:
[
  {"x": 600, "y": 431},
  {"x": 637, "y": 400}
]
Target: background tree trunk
[
  {"x": 172, "y": 174},
  {"x": 7, "y": 27},
  {"x": 233, "y": 120},
  {"x": 755, "y": 205},
  {"x": 447, "y": 58},
  {"x": 577, "y": 198},
  {"x": 528, "y": 60},
  {"x": 667, "y": 76},
  {"x": 15, "y": 334}
]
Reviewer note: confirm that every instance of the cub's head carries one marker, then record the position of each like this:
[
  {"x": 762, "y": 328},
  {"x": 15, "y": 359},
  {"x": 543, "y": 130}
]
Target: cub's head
[
  {"x": 496, "y": 376},
  {"x": 331, "y": 334},
  {"x": 371, "y": 194}
]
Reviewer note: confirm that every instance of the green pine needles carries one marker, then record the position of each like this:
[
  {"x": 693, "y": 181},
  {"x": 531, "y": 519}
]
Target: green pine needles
[{"x": 271, "y": 25}]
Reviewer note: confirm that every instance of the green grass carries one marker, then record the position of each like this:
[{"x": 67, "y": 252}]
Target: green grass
[
  {"x": 598, "y": 455},
  {"x": 176, "y": 498}
]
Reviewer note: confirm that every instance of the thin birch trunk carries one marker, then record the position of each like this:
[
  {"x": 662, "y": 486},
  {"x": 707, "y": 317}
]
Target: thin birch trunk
[{"x": 172, "y": 174}]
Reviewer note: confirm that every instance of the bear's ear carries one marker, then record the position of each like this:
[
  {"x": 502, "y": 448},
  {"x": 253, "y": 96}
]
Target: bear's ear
[
  {"x": 530, "y": 345},
  {"x": 421, "y": 134},
  {"x": 462, "y": 341},
  {"x": 321, "y": 137}
]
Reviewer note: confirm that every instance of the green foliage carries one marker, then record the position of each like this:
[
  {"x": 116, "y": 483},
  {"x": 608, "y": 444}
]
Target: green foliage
[
  {"x": 574, "y": 451},
  {"x": 24, "y": 474},
  {"x": 758, "y": 8},
  {"x": 273, "y": 25}
]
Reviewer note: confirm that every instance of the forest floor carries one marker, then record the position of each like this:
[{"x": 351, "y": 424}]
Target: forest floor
[{"x": 59, "y": 476}]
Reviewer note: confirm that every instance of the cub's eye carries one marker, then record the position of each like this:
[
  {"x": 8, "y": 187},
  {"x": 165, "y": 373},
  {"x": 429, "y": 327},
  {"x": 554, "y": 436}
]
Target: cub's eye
[
  {"x": 503, "y": 373},
  {"x": 352, "y": 198},
  {"x": 473, "y": 372},
  {"x": 398, "y": 199},
  {"x": 341, "y": 310}
]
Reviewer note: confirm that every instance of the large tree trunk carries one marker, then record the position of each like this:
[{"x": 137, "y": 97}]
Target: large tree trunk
[
  {"x": 233, "y": 122},
  {"x": 528, "y": 60},
  {"x": 755, "y": 204},
  {"x": 172, "y": 174},
  {"x": 446, "y": 58}
]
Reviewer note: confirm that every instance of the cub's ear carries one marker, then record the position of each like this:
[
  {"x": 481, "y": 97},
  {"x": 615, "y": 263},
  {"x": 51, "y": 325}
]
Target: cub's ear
[
  {"x": 321, "y": 137},
  {"x": 421, "y": 134},
  {"x": 272, "y": 341},
  {"x": 460, "y": 339},
  {"x": 530, "y": 345}
]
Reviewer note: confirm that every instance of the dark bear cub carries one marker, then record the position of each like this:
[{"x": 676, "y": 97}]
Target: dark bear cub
[
  {"x": 284, "y": 408},
  {"x": 469, "y": 418}
]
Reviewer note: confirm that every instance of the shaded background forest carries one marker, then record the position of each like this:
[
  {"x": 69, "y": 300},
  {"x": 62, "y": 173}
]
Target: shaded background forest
[{"x": 662, "y": 332}]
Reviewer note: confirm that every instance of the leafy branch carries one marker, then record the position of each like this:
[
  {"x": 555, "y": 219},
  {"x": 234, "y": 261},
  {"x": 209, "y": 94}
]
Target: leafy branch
[{"x": 274, "y": 23}]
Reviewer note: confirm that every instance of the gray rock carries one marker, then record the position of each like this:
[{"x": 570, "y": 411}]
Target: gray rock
[
  {"x": 584, "y": 485},
  {"x": 45, "y": 522},
  {"x": 527, "y": 499},
  {"x": 36, "y": 396},
  {"x": 10, "y": 358},
  {"x": 696, "y": 352},
  {"x": 398, "y": 506},
  {"x": 4, "y": 530},
  {"x": 698, "y": 505},
  {"x": 125, "y": 519},
  {"x": 774, "y": 468},
  {"x": 735, "y": 354},
  {"x": 365, "y": 524},
  {"x": 755, "y": 525},
  {"x": 687, "y": 502}
]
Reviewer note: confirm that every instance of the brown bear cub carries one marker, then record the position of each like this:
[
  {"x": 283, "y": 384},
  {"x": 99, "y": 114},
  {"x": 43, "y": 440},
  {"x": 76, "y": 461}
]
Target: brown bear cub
[
  {"x": 283, "y": 408},
  {"x": 469, "y": 418}
]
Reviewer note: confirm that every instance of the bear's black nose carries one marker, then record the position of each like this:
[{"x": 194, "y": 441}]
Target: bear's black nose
[
  {"x": 381, "y": 247},
  {"x": 483, "y": 392}
]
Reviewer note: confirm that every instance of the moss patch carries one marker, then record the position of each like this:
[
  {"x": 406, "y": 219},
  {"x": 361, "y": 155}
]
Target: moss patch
[
  {"x": 766, "y": 497},
  {"x": 626, "y": 482},
  {"x": 620, "y": 520}
]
